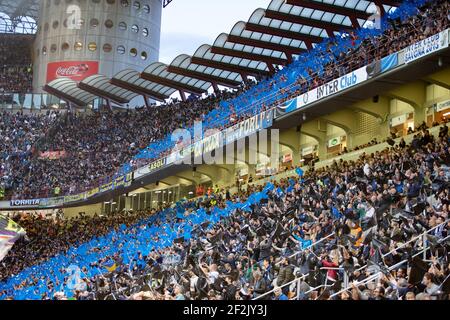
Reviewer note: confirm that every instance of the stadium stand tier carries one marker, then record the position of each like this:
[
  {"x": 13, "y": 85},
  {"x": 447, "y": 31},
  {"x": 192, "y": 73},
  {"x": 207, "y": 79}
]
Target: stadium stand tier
[{"x": 358, "y": 208}]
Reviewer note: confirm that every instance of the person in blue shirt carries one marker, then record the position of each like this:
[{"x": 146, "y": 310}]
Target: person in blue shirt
[
  {"x": 304, "y": 242},
  {"x": 279, "y": 295}
]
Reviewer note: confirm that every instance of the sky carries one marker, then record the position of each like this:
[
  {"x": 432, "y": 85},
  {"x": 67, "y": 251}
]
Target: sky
[{"x": 187, "y": 24}]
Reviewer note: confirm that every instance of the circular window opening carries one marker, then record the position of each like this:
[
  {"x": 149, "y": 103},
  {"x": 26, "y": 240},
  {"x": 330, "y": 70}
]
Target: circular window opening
[
  {"x": 110, "y": 1},
  {"x": 120, "y": 49},
  {"x": 94, "y": 23},
  {"x": 144, "y": 55},
  {"x": 78, "y": 46},
  {"x": 65, "y": 46},
  {"x": 92, "y": 46},
  {"x": 53, "y": 48},
  {"x": 109, "y": 24},
  {"x": 44, "y": 51},
  {"x": 135, "y": 28},
  {"x": 137, "y": 5},
  {"x": 145, "y": 32},
  {"x": 133, "y": 52},
  {"x": 122, "y": 26},
  {"x": 107, "y": 48},
  {"x": 124, "y": 3},
  {"x": 55, "y": 24},
  {"x": 146, "y": 8}
]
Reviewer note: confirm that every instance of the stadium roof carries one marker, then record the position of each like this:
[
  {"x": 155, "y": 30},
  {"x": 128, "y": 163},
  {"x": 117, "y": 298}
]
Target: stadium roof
[
  {"x": 131, "y": 80},
  {"x": 68, "y": 90},
  {"x": 20, "y": 8},
  {"x": 101, "y": 86},
  {"x": 270, "y": 38},
  {"x": 19, "y": 16}
]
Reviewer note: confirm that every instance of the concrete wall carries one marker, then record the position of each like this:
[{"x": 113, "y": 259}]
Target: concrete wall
[{"x": 59, "y": 37}]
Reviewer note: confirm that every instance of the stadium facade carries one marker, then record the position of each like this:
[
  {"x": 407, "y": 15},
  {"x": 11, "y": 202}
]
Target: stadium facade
[{"x": 77, "y": 39}]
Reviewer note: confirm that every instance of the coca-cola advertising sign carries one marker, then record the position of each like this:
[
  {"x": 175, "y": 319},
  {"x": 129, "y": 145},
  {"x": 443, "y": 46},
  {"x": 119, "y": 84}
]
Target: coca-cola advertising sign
[{"x": 75, "y": 70}]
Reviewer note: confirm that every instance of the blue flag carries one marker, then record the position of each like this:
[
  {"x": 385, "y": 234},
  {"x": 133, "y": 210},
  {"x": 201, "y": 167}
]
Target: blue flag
[{"x": 300, "y": 172}]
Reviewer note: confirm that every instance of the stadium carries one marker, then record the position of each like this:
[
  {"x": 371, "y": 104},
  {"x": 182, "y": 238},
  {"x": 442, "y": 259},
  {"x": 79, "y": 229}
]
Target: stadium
[{"x": 301, "y": 155}]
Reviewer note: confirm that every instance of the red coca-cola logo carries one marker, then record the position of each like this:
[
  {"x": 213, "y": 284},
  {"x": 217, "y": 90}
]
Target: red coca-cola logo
[
  {"x": 75, "y": 70},
  {"x": 72, "y": 71}
]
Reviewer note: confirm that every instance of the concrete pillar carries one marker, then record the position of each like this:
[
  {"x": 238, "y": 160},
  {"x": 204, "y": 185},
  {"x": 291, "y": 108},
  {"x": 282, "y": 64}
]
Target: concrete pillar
[
  {"x": 99, "y": 35},
  {"x": 317, "y": 129},
  {"x": 441, "y": 78},
  {"x": 291, "y": 139},
  {"x": 345, "y": 119},
  {"x": 415, "y": 94}
]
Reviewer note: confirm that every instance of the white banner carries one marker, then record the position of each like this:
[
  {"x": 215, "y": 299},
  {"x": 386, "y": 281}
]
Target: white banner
[
  {"x": 427, "y": 46},
  {"x": 332, "y": 87},
  {"x": 441, "y": 106},
  {"x": 396, "y": 121},
  {"x": 308, "y": 150},
  {"x": 249, "y": 126}
]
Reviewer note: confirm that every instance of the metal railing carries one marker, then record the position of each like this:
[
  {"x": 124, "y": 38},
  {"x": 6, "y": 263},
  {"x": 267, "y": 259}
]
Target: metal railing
[
  {"x": 379, "y": 274},
  {"x": 298, "y": 280},
  {"x": 293, "y": 256}
]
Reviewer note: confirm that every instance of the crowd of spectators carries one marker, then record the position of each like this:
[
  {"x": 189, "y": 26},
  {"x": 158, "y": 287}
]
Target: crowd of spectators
[
  {"x": 18, "y": 134},
  {"x": 104, "y": 144},
  {"x": 353, "y": 218},
  {"x": 97, "y": 145},
  {"x": 16, "y": 73},
  {"x": 47, "y": 237}
]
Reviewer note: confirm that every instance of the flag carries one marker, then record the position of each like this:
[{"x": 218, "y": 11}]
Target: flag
[
  {"x": 111, "y": 268},
  {"x": 336, "y": 213},
  {"x": 10, "y": 232},
  {"x": 280, "y": 192}
]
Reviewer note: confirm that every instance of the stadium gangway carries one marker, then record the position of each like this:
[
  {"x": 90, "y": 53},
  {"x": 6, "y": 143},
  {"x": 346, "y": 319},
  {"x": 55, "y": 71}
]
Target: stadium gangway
[
  {"x": 378, "y": 275},
  {"x": 293, "y": 256},
  {"x": 303, "y": 277}
]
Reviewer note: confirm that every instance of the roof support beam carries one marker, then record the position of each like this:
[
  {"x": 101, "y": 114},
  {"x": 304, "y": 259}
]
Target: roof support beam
[
  {"x": 392, "y": 3},
  {"x": 203, "y": 76},
  {"x": 329, "y": 26},
  {"x": 249, "y": 56},
  {"x": 102, "y": 94},
  {"x": 138, "y": 89},
  {"x": 21, "y": 8},
  {"x": 229, "y": 67},
  {"x": 264, "y": 44},
  {"x": 282, "y": 33},
  {"x": 182, "y": 95},
  {"x": 353, "y": 14},
  {"x": 170, "y": 83}
]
